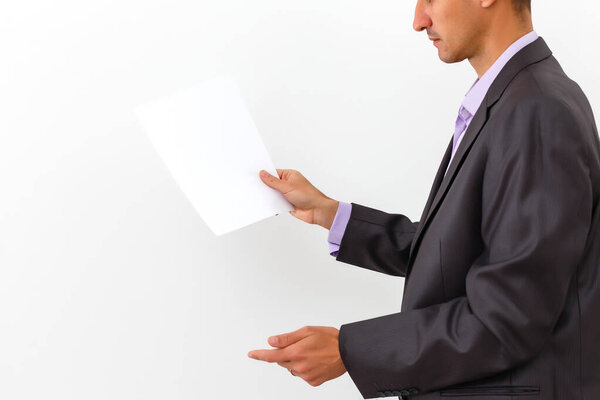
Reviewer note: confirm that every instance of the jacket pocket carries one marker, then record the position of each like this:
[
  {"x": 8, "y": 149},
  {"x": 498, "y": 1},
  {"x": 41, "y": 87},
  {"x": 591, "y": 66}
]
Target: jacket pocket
[{"x": 491, "y": 391}]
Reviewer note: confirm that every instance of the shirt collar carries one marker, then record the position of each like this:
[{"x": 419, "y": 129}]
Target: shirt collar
[{"x": 480, "y": 87}]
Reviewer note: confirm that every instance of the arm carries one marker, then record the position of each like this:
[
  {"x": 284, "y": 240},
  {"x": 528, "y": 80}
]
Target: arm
[
  {"x": 536, "y": 212},
  {"x": 372, "y": 239}
]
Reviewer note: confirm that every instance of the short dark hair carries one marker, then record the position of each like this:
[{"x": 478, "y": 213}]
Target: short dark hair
[{"x": 522, "y": 5}]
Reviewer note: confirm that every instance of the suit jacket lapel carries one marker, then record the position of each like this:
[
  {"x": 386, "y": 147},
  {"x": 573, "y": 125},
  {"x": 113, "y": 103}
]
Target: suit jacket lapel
[
  {"x": 434, "y": 189},
  {"x": 477, "y": 123},
  {"x": 534, "y": 52}
]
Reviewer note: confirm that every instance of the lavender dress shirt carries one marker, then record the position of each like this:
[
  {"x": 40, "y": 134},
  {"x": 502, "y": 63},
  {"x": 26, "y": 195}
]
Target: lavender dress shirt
[{"x": 471, "y": 103}]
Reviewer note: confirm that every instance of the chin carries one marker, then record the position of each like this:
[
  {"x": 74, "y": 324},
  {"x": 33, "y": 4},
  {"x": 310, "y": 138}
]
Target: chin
[
  {"x": 449, "y": 58},
  {"x": 445, "y": 58}
]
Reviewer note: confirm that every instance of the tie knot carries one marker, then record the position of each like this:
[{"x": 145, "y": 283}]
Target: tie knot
[
  {"x": 464, "y": 114},
  {"x": 461, "y": 125}
]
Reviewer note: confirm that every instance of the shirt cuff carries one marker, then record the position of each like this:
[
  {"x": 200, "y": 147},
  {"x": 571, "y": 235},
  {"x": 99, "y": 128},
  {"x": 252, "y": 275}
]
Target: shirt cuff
[{"x": 336, "y": 233}]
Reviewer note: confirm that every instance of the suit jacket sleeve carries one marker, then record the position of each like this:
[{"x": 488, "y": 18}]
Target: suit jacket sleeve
[
  {"x": 536, "y": 212},
  {"x": 377, "y": 240}
]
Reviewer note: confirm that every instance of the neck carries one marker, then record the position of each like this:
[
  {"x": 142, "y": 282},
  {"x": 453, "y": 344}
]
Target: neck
[{"x": 497, "y": 39}]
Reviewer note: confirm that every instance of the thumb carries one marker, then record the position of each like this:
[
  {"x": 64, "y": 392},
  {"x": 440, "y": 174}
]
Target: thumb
[
  {"x": 287, "y": 339},
  {"x": 272, "y": 181}
]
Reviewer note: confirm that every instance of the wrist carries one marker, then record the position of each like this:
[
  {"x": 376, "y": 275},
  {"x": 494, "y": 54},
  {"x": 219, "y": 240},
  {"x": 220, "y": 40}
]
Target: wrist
[{"x": 326, "y": 213}]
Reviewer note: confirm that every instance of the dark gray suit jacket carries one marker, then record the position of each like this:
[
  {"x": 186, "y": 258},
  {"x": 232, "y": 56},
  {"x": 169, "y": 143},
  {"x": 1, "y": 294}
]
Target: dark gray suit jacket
[{"x": 502, "y": 289}]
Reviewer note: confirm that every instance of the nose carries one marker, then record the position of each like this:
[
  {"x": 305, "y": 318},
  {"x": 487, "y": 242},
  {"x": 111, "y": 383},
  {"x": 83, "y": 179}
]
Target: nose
[{"x": 422, "y": 20}]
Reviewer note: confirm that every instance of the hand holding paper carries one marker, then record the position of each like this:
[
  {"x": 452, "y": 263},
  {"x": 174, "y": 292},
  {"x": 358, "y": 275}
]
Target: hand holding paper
[{"x": 311, "y": 205}]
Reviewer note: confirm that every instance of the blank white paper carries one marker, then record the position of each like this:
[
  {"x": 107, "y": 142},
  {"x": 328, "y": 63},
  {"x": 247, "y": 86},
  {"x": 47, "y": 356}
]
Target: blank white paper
[{"x": 209, "y": 143}]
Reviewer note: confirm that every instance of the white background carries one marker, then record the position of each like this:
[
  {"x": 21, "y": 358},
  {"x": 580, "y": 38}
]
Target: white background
[{"x": 111, "y": 287}]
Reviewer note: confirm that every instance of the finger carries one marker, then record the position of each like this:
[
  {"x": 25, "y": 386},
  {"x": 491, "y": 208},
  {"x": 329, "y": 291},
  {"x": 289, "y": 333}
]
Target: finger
[
  {"x": 297, "y": 213},
  {"x": 275, "y": 355},
  {"x": 287, "y": 339},
  {"x": 300, "y": 368},
  {"x": 280, "y": 172},
  {"x": 273, "y": 182},
  {"x": 286, "y": 364}
]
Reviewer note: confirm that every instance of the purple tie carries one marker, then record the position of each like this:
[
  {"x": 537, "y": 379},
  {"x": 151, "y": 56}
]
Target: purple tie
[{"x": 461, "y": 124}]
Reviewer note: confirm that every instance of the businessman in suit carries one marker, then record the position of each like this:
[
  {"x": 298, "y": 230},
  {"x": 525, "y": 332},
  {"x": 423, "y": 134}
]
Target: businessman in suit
[{"x": 502, "y": 288}]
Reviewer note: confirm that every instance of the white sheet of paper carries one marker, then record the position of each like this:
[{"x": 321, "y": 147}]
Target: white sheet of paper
[{"x": 209, "y": 143}]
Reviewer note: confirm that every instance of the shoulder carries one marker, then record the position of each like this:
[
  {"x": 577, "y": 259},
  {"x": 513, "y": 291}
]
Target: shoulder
[
  {"x": 542, "y": 111},
  {"x": 542, "y": 91},
  {"x": 540, "y": 102}
]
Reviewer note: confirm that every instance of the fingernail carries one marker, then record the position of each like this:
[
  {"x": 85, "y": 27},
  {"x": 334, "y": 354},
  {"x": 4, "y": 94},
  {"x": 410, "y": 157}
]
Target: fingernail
[
  {"x": 264, "y": 174},
  {"x": 251, "y": 354},
  {"x": 274, "y": 340}
]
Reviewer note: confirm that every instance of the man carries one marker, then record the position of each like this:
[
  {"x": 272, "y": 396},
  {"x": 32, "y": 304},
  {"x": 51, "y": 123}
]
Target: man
[{"x": 502, "y": 287}]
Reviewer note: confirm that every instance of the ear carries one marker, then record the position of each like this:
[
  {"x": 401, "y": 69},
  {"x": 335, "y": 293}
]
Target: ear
[{"x": 488, "y": 3}]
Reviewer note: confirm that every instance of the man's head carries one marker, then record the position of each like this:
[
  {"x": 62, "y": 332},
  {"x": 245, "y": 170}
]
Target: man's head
[{"x": 464, "y": 29}]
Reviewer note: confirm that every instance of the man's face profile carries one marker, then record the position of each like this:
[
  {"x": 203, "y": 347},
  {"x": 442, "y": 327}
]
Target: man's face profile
[{"x": 453, "y": 25}]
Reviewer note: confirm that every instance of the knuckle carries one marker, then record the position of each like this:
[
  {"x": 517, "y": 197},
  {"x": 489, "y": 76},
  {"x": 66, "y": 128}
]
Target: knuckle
[
  {"x": 314, "y": 382},
  {"x": 293, "y": 354},
  {"x": 301, "y": 369}
]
